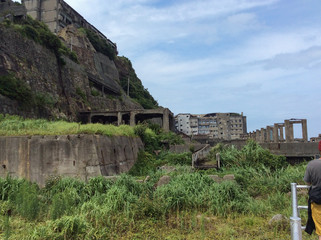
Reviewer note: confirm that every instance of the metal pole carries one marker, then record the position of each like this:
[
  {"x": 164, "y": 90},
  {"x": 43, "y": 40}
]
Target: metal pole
[{"x": 295, "y": 220}]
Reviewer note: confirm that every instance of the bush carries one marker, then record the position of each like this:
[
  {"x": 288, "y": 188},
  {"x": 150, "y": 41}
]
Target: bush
[
  {"x": 15, "y": 89},
  {"x": 100, "y": 44},
  {"x": 40, "y": 33},
  {"x": 145, "y": 164}
]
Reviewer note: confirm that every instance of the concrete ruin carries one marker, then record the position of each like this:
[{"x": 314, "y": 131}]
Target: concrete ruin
[
  {"x": 161, "y": 116},
  {"x": 280, "y": 132},
  {"x": 57, "y": 14},
  {"x": 11, "y": 10},
  {"x": 36, "y": 158}
]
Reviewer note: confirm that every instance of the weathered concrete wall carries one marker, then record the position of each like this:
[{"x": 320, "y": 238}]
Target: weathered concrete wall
[
  {"x": 296, "y": 149},
  {"x": 83, "y": 156},
  {"x": 186, "y": 147}
]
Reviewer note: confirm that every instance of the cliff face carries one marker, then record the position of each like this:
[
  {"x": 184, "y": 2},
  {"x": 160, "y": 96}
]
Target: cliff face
[{"x": 91, "y": 84}]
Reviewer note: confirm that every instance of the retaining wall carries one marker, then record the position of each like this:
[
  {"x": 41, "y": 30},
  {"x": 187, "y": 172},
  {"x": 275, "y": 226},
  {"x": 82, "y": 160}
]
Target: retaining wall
[{"x": 83, "y": 156}]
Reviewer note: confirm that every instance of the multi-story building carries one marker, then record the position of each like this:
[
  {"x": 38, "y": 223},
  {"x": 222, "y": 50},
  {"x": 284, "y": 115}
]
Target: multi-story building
[
  {"x": 57, "y": 14},
  {"x": 182, "y": 123},
  {"x": 227, "y": 126}
]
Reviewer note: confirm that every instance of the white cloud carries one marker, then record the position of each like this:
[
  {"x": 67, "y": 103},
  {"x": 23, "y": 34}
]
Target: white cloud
[{"x": 220, "y": 55}]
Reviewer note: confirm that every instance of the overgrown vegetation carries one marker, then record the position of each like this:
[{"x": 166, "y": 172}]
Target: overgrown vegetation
[
  {"x": 191, "y": 206},
  {"x": 18, "y": 126},
  {"x": 16, "y": 89},
  {"x": 101, "y": 45},
  {"x": 136, "y": 89},
  {"x": 40, "y": 33}
]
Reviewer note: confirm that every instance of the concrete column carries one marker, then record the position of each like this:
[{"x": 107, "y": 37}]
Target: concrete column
[
  {"x": 257, "y": 135},
  {"x": 268, "y": 133},
  {"x": 276, "y": 133},
  {"x": 288, "y": 131},
  {"x": 119, "y": 118},
  {"x": 132, "y": 119},
  {"x": 304, "y": 130},
  {"x": 263, "y": 132},
  {"x": 166, "y": 120},
  {"x": 281, "y": 133}
]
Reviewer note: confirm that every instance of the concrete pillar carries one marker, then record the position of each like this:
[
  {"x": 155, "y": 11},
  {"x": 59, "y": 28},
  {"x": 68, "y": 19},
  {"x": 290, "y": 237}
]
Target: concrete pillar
[
  {"x": 288, "y": 131},
  {"x": 304, "y": 130},
  {"x": 276, "y": 133},
  {"x": 257, "y": 135},
  {"x": 166, "y": 120},
  {"x": 119, "y": 118},
  {"x": 268, "y": 133},
  {"x": 132, "y": 119},
  {"x": 281, "y": 133},
  {"x": 263, "y": 133}
]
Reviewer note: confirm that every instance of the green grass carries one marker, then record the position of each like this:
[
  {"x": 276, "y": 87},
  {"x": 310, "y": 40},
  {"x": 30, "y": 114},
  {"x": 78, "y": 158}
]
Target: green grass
[
  {"x": 191, "y": 206},
  {"x": 17, "y": 126}
]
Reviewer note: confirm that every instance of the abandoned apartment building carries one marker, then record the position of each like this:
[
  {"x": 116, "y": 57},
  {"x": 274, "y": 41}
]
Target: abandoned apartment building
[
  {"x": 226, "y": 126},
  {"x": 57, "y": 14}
]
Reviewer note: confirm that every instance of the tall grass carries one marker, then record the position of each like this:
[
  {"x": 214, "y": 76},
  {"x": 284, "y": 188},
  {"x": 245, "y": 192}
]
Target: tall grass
[
  {"x": 189, "y": 206},
  {"x": 18, "y": 126}
]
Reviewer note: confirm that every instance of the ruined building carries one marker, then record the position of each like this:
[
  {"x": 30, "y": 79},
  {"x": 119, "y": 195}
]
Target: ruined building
[
  {"x": 280, "y": 132},
  {"x": 11, "y": 10},
  {"x": 57, "y": 14},
  {"x": 227, "y": 126}
]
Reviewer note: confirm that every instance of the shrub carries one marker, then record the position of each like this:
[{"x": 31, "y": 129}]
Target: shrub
[
  {"x": 145, "y": 164},
  {"x": 100, "y": 44},
  {"x": 40, "y": 33},
  {"x": 15, "y": 89}
]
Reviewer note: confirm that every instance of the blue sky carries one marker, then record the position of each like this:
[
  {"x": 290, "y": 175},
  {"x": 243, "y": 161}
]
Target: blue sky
[{"x": 259, "y": 57}]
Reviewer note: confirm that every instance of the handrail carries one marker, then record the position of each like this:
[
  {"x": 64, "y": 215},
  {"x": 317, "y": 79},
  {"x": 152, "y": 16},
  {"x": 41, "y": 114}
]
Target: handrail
[
  {"x": 195, "y": 155},
  {"x": 295, "y": 220}
]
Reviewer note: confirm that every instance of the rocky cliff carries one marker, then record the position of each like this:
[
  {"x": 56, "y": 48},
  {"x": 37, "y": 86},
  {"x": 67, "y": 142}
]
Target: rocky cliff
[{"x": 36, "y": 81}]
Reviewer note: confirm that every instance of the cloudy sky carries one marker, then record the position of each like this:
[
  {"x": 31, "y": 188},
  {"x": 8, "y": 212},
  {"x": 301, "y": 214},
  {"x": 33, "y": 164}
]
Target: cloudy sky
[{"x": 259, "y": 57}]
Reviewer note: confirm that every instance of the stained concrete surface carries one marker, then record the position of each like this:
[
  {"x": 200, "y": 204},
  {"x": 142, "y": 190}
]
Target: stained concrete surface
[{"x": 37, "y": 158}]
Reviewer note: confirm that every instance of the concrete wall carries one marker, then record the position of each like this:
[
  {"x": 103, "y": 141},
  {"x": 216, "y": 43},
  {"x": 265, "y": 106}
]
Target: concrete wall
[
  {"x": 83, "y": 156},
  {"x": 296, "y": 149}
]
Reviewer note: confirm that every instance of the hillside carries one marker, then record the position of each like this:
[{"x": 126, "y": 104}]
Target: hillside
[{"x": 44, "y": 75}]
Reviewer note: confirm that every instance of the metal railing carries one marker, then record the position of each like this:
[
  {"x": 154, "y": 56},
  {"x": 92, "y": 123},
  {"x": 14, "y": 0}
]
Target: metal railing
[{"x": 295, "y": 220}]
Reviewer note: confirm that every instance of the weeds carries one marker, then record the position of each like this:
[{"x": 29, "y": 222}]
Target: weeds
[{"x": 18, "y": 126}]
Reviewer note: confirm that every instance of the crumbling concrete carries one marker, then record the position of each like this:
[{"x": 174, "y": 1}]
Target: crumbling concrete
[
  {"x": 83, "y": 156},
  {"x": 275, "y": 133}
]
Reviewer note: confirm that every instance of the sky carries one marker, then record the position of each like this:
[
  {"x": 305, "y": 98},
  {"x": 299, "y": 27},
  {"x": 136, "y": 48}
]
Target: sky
[{"x": 259, "y": 57}]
